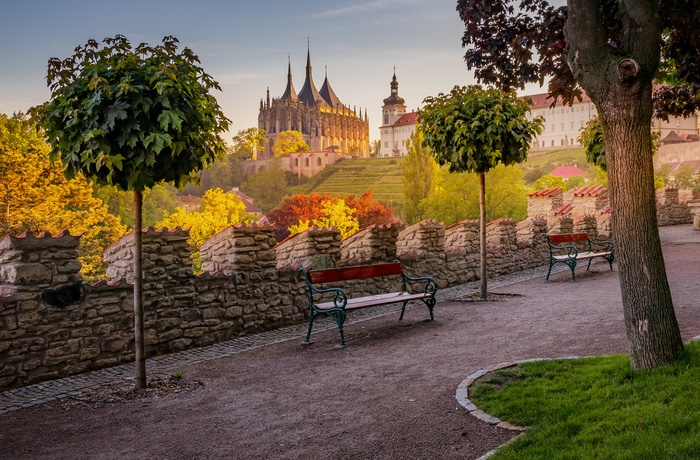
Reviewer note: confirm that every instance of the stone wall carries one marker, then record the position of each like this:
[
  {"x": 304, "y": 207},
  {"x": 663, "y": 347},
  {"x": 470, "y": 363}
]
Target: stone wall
[
  {"x": 669, "y": 211},
  {"x": 51, "y": 325}
]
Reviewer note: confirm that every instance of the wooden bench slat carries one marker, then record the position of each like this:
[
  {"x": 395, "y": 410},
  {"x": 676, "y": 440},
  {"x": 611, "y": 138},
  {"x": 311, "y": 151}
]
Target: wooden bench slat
[
  {"x": 333, "y": 275},
  {"x": 568, "y": 237},
  {"x": 375, "y": 300}
]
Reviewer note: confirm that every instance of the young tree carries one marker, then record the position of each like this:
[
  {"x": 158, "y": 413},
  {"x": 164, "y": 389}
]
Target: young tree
[
  {"x": 289, "y": 142},
  {"x": 247, "y": 142},
  {"x": 473, "y": 129},
  {"x": 549, "y": 181},
  {"x": 420, "y": 176},
  {"x": 333, "y": 213},
  {"x": 612, "y": 49},
  {"x": 133, "y": 117}
]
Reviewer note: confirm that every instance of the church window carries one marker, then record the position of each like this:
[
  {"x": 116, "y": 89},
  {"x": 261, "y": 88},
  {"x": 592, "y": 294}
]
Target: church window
[
  {"x": 318, "y": 161},
  {"x": 307, "y": 162},
  {"x": 296, "y": 162}
]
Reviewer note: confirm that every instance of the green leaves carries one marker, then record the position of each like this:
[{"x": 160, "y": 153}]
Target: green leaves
[
  {"x": 473, "y": 129},
  {"x": 132, "y": 117}
]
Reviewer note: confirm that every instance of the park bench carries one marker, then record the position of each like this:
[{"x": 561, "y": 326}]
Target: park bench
[
  {"x": 560, "y": 253},
  {"x": 339, "y": 304}
]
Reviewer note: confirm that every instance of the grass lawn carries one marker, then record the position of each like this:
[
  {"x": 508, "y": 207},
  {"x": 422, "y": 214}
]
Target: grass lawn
[{"x": 598, "y": 408}]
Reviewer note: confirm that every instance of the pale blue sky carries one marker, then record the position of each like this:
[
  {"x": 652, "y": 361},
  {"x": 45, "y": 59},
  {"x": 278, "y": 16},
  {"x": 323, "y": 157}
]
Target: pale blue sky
[{"x": 244, "y": 45}]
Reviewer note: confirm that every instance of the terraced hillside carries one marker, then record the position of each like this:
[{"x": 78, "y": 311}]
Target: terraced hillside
[{"x": 359, "y": 175}]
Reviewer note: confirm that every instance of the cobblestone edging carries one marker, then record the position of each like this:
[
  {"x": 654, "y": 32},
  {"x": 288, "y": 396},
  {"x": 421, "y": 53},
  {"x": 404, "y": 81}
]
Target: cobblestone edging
[{"x": 39, "y": 393}]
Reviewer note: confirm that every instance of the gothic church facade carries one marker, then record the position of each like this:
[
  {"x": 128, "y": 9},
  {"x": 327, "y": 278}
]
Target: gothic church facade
[{"x": 324, "y": 122}]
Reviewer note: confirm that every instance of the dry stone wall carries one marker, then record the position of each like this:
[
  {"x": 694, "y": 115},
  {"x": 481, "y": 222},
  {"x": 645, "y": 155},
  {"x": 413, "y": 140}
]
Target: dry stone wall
[{"x": 51, "y": 325}]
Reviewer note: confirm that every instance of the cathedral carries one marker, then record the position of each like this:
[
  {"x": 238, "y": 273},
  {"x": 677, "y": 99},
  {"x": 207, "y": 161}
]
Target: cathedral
[{"x": 324, "y": 121}]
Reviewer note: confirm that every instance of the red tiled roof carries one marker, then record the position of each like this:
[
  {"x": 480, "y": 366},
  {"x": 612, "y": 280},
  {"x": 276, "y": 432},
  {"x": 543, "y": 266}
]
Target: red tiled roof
[
  {"x": 566, "y": 171},
  {"x": 592, "y": 190},
  {"x": 407, "y": 119},
  {"x": 544, "y": 193},
  {"x": 566, "y": 209}
]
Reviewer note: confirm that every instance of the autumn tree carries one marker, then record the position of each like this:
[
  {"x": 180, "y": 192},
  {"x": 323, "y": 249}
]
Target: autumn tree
[
  {"x": 248, "y": 142},
  {"x": 612, "y": 50},
  {"x": 35, "y": 196},
  {"x": 299, "y": 208},
  {"x": 333, "y": 213},
  {"x": 217, "y": 211},
  {"x": 289, "y": 142},
  {"x": 472, "y": 129},
  {"x": 420, "y": 175},
  {"x": 132, "y": 118}
]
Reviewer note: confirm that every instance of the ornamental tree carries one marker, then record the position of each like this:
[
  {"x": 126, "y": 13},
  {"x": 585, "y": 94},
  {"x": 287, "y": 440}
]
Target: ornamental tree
[
  {"x": 289, "y": 142},
  {"x": 472, "y": 130},
  {"x": 132, "y": 118},
  {"x": 612, "y": 49}
]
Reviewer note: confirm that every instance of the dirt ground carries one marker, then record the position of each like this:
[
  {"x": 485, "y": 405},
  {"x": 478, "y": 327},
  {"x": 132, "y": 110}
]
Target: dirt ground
[{"x": 389, "y": 395}]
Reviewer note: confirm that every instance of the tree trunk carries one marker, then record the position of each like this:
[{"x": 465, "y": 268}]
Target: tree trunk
[
  {"x": 619, "y": 81},
  {"x": 652, "y": 329},
  {"x": 482, "y": 233},
  {"x": 139, "y": 353}
]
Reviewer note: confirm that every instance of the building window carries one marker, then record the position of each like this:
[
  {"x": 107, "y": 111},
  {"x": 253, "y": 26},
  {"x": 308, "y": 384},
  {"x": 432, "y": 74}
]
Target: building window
[
  {"x": 318, "y": 161},
  {"x": 296, "y": 162},
  {"x": 552, "y": 142},
  {"x": 307, "y": 162},
  {"x": 386, "y": 144}
]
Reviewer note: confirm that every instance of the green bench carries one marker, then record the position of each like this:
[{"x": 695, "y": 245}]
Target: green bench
[
  {"x": 339, "y": 302},
  {"x": 561, "y": 253}
]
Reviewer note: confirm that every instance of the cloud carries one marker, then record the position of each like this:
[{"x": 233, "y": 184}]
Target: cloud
[{"x": 364, "y": 7}]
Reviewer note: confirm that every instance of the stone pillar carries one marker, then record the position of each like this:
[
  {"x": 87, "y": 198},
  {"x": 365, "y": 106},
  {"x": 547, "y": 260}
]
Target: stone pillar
[
  {"x": 373, "y": 244},
  {"x": 694, "y": 206},
  {"x": 462, "y": 237},
  {"x": 543, "y": 203},
  {"x": 313, "y": 248},
  {"x": 587, "y": 201},
  {"x": 424, "y": 238},
  {"x": 238, "y": 248}
]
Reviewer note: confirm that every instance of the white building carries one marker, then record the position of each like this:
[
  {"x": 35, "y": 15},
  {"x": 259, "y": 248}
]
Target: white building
[
  {"x": 397, "y": 125},
  {"x": 563, "y": 124}
]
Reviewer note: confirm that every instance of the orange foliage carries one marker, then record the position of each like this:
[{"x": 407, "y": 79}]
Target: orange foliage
[{"x": 301, "y": 207}]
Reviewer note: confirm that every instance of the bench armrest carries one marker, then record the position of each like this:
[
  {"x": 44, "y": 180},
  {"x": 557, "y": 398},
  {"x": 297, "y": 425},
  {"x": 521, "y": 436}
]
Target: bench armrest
[
  {"x": 608, "y": 246},
  {"x": 430, "y": 284},
  {"x": 340, "y": 299},
  {"x": 571, "y": 251}
]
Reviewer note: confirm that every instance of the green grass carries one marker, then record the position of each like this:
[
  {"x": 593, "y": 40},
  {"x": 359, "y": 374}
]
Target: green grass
[
  {"x": 598, "y": 408},
  {"x": 550, "y": 159},
  {"x": 356, "y": 176}
]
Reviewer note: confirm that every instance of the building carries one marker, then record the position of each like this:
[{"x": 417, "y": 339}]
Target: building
[
  {"x": 309, "y": 164},
  {"x": 323, "y": 120},
  {"x": 397, "y": 125},
  {"x": 563, "y": 124}
]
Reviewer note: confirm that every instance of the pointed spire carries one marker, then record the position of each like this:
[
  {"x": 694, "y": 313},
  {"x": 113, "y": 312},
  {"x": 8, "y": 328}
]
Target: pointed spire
[
  {"x": 268, "y": 97},
  {"x": 309, "y": 94},
  {"x": 328, "y": 94},
  {"x": 366, "y": 117},
  {"x": 394, "y": 98},
  {"x": 289, "y": 94}
]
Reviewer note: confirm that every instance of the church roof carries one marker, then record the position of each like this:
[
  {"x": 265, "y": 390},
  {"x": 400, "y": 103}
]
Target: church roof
[
  {"x": 309, "y": 95},
  {"x": 289, "y": 93},
  {"x": 328, "y": 94},
  {"x": 407, "y": 119}
]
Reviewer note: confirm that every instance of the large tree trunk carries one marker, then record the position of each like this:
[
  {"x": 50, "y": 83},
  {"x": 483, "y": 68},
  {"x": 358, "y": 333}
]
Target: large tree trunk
[
  {"x": 139, "y": 349},
  {"x": 620, "y": 83},
  {"x": 482, "y": 233}
]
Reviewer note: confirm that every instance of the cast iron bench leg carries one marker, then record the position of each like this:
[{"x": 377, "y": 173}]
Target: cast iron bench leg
[{"x": 308, "y": 333}]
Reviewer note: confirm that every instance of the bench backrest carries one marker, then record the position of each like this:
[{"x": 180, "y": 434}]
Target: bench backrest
[
  {"x": 567, "y": 237},
  {"x": 332, "y": 275}
]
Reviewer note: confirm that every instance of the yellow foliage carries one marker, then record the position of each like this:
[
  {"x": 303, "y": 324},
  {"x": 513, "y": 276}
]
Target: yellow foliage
[
  {"x": 217, "y": 211},
  {"x": 334, "y": 213}
]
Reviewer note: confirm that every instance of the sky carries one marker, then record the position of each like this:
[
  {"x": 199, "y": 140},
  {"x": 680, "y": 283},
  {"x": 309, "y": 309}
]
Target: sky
[{"x": 245, "y": 46}]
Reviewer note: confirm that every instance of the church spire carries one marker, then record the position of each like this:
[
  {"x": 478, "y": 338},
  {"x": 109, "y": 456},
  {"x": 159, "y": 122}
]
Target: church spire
[
  {"x": 394, "y": 98},
  {"x": 328, "y": 94},
  {"x": 309, "y": 94},
  {"x": 289, "y": 93}
]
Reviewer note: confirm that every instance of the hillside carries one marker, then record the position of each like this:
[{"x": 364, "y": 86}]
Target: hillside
[{"x": 359, "y": 175}]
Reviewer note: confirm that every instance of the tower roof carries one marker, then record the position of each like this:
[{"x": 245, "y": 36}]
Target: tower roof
[
  {"x": 309, "y": 95},
  {"x": 394, "y": 99},
  {"x": 289, "y": 93},
  {"x": 328, "y": 94}
]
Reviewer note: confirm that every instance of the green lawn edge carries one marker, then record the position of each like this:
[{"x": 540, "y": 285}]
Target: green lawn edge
[{"x": 597, "y": 408}]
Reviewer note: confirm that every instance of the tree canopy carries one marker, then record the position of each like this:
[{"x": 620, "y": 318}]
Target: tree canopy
[
  {"x": 133, "y": 117},
  {"x": 420, "y": 176},
  {"x": 289, "y": 142}
]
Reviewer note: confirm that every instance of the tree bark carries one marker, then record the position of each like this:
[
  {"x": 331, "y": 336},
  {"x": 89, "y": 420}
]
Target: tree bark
[
  {"x": 482, "y": 233},
  {"x": 620, "y": 85},
  {"x": 139, "y": 349}
]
